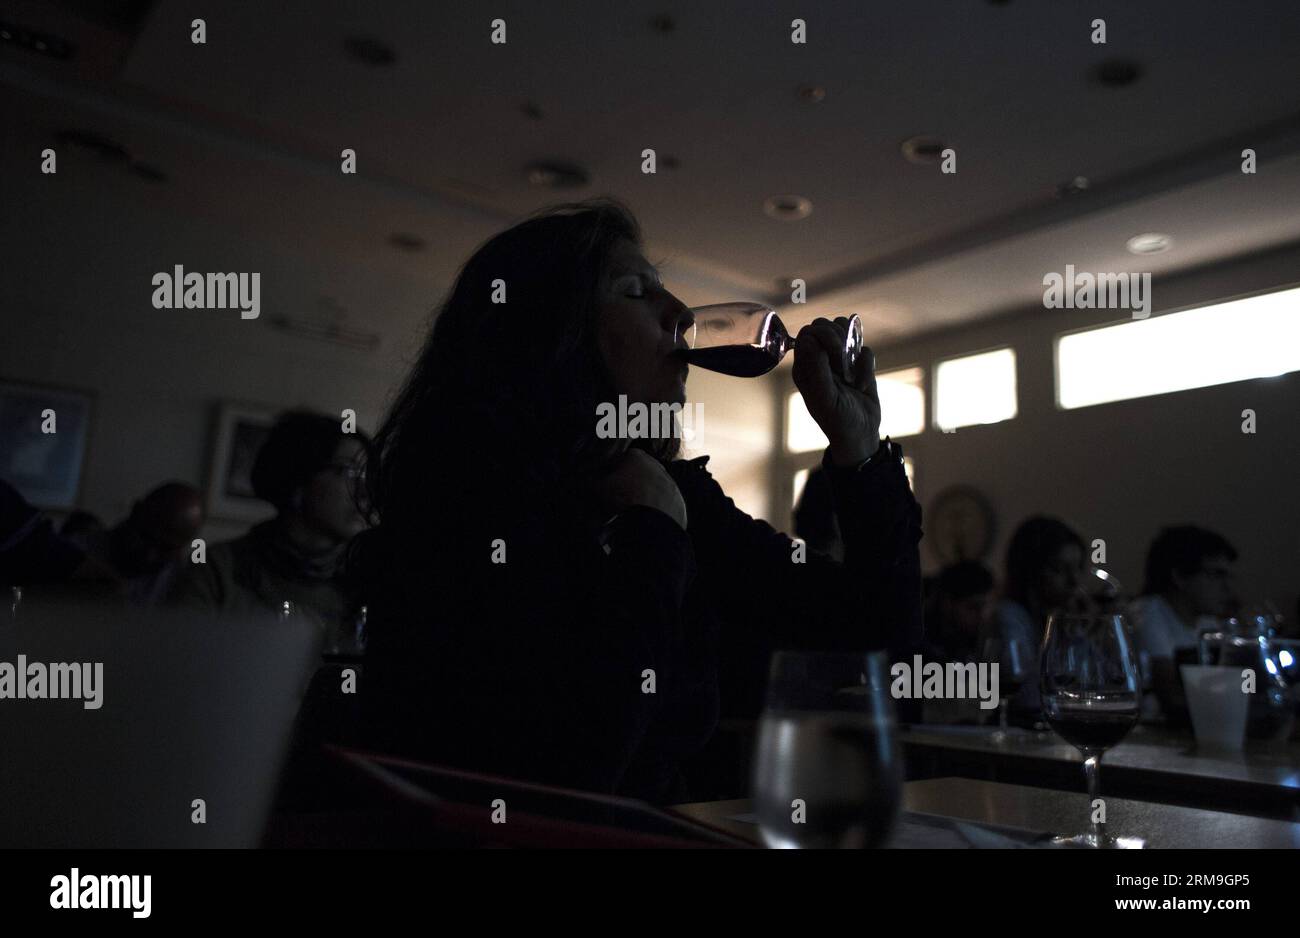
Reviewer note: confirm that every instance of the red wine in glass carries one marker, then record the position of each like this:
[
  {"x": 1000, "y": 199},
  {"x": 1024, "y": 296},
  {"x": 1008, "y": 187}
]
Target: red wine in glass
[
  {"x": 748, "y": 340},
  {"x": 1092, "y": 694}
]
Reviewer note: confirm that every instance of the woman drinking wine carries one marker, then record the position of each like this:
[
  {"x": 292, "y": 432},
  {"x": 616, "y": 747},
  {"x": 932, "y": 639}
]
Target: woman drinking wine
[{"x": 551, "y": 604}]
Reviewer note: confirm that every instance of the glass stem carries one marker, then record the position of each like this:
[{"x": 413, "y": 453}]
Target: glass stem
[{"x": 1092, "y": 769}]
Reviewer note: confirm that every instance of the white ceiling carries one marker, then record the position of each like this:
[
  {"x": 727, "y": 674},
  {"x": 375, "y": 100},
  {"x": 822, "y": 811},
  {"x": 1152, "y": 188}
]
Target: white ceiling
[{"x": 248, "y": 128}]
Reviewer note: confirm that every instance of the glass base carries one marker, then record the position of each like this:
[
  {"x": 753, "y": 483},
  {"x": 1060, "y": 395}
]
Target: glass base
[{"x": 1089, "y": 841}]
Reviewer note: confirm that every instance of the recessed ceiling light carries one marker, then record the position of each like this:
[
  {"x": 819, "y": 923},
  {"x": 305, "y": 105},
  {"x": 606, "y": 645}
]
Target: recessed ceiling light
[
  {"x": 923, "y": 149},
  {"x": 1116, "y": 73},
  {"x": 370, "y": 51},
  {"x": 1076, "y": 186},
  {"x": 1150, "y": 243},
  {"x": 406, "y": 241},
  {"x": 553, "y": 175},
  {"x": 812, "y": 94},
  {"x": 787, "y": 207}
]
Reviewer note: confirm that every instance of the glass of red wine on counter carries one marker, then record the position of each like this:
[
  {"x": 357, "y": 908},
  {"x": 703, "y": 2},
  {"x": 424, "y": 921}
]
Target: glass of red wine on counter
[
  {"x": 1091, "y": 690},
  {"x": 748, "y": 340}
]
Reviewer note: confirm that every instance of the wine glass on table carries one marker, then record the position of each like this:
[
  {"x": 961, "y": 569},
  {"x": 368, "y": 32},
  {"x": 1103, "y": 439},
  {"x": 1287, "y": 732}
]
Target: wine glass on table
[
  {"x": 827, "y": 770},
  {"x": 1011, "y": 656},
  {"x": 1092, "y": 691},
  {"x": 748, "y": 340}
]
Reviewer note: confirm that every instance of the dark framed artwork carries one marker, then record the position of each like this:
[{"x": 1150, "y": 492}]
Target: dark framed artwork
[
  {"x": 238, "y": 434},
  {"x": 961, "y": 525},
  {"x": 44, "y": 433}
]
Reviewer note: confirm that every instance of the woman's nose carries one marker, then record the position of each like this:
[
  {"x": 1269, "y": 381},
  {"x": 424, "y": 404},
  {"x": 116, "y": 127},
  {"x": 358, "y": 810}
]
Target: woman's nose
[{"x": 684, "y": 327}]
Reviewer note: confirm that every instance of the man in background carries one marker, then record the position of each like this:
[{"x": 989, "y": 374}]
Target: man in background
[
  {"x": 144, "y": 547},
  {"x": 1189, "y": 583},
  {"x": 33, "y": 555},
  {"x": 958, "y": 611}
]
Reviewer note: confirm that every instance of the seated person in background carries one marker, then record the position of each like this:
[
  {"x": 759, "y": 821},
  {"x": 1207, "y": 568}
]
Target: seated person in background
[
  {"x": 308, "y": 469},
  {"x": 958, "y": 607},
  {"x": 33, "y": 555},
  {"x": 532, "y": 574},
  {"x": 1189, "y": 582},
  {"x": 958, "y": 612},
  {"x": 145, "y": 547},
  {"x": 81, "y": 524},
  {"x": 1044, "y": 570}
]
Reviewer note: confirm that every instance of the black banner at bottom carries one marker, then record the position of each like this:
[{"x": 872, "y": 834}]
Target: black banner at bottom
[{"x": 333, "y": 888}]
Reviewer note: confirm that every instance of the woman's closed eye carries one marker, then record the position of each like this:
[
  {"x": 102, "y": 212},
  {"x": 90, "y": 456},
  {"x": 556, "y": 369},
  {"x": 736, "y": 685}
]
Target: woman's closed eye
[{"x": 636, "y": 288}]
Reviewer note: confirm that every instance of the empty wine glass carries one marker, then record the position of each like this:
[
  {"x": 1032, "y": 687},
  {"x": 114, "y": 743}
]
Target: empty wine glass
[
  {"x": 748, "y": 340},
  {"x": 1092, "y": 694},
  {"x": 827, "y": 768},
  {"x": 1011, "y": 655}
]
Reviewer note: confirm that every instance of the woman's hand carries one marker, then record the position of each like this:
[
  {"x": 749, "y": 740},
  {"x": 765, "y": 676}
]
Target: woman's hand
[
  {"x": 846, "y": 408},
  {"x": 639, "y": 479}
]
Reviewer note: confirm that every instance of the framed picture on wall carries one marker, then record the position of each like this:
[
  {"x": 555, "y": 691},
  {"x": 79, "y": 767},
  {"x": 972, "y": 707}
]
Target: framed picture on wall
[
  {"x": 238, "y": 434},
  {"x": 43, "y": 438}
]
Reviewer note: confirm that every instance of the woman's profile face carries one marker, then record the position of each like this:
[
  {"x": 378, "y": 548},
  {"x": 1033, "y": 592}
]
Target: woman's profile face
[
  {"x": 637, "y": 326},
  {"x": 329, "y": 498},
  {"x": 1061, "y": 575}
]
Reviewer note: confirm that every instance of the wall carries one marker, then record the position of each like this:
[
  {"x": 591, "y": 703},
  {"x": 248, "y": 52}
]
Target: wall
[
  {"x": 76, "y": 312},
  {"x": 1120, "y": 471}
]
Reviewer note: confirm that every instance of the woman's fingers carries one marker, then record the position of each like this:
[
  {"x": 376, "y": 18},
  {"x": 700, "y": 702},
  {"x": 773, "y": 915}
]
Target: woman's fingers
[
  {"x": 812, "y": 370},
  {"x": 831, "y": 336},
  {"x": 865, "y": 379}
]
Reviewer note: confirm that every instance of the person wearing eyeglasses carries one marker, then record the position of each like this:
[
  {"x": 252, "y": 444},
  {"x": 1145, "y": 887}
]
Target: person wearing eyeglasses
[
  {"x": 1189, "y": 583},
  {"x": 311, "y": 471}
]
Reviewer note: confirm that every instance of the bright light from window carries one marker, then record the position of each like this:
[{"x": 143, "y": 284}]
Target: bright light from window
[
  {"x": 800, "y": 480},
  {"x": 1257, "y": 337},
  {"x": 902, "y": 402},
  {"x": 801, "y": 431},
  {"x": 975, "y": 389},
  {"x": 902, "y": 411}
]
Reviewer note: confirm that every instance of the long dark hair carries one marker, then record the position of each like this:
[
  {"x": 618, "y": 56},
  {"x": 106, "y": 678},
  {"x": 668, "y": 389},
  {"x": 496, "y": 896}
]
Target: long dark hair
[
  {"x": 499, "y": 411},
  {"x": 1034, "y": 546}
]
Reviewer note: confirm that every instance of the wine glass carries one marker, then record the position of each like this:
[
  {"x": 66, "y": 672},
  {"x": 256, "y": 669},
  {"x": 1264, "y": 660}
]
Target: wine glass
[
  {"x": 1250, "y": 639},
  {"x": 1092, "y": 694},
  {"x": 827, "y": 769},
  {"x": 748, "y": 340},
  {"x": 1011, "y": 655}
]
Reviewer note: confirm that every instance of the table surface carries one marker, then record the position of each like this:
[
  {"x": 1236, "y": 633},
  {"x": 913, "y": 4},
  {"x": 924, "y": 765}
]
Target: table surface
[
  {"x": 1149, "y": 749},
  {"x": 1040, "y": 809}
]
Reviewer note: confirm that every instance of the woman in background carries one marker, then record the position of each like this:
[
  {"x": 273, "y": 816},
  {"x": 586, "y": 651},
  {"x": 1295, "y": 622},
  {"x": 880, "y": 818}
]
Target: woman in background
[
  {"x": 1044, "y": 571},
  {"x": 551, "y": 605},
  {"x": 309, "y": 469}
]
